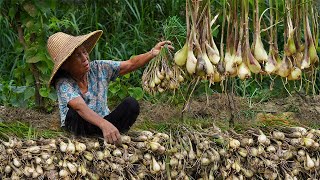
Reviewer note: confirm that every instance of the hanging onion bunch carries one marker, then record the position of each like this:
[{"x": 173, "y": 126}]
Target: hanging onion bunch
[
  {"x": 243, "y": 56},
  {"x": 258, "y": 49},
  {"x": 243, "y": 69},
  {"x": 200, "y": 54},
  {"x": 310, "y": 57},
  {"x": 271, "y": 64},
  {"x": 298, "y": 56},
  {"x": 229, "y": 57},
  {"x": 250, "y": 60},
  {"x": 160, "y": 75}
]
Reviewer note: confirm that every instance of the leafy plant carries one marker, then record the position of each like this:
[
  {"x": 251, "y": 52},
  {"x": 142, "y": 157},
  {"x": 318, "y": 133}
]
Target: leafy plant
[{"x": 16, "y": 96}]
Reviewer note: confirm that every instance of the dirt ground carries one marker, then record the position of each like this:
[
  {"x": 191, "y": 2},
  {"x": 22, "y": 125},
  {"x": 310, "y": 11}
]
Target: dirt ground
[
  {"x": 293, "y": 110},
  {"x": 296, "y": 109}
]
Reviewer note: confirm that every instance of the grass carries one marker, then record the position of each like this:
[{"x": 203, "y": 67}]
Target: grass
[
  {"x": 171, "y": 124},
  {"x": 195, "y": 123},
  {"x": 24, "y": 131}
]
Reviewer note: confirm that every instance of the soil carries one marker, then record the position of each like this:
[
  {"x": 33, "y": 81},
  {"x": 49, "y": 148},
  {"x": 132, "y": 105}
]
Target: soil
[{"x": 296, "y": 109}]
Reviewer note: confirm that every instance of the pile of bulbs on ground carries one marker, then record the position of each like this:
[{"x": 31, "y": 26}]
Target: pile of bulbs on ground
[{"x": 283, "y": 153}]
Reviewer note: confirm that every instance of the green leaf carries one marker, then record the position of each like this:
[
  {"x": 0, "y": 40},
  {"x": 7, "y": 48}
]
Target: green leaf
[
  {"x": 136, "y": 92},
  {"x": 30, "y": 52},
  {"x": 30, "y": 9},
  {"x": 40, "y": 56},
  {"x": 33, "y": 59},
  {"x": 53, "y": 5},
  {"x": 53, "y": 96},
  {"x": 44, "y": 92},
  {"x": 28, "y": 93},
  {"x": 43, "y": 67},
  {"x": 44, "y": 7},
  {"x": 12, "y": 12},
  {"x": 18, "y": 47},
  {"x": 14, "y": 102},
  {"x": 18, "y": 89},
  {"x": 4, "y": 98},
  {"x": 29, "y": 24},
  {"x": 215, "y": 31},
  {"x": 127, "y": 76},
  {"x": 251, "y": 2},
  {"x": 122, "y": 93},
  {"x": 29, "y": 79},
  {"x": 114, "y": 88}
]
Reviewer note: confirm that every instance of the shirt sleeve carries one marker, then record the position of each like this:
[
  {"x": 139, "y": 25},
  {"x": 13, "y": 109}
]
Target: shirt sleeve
[
  {"x": 66, "y": 91},
  {"x": 110, "y": 69}
]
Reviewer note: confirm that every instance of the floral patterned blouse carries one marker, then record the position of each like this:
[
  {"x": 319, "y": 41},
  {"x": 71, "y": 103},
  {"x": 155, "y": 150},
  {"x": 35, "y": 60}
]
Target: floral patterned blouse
[{"x": 100, "y": 74}]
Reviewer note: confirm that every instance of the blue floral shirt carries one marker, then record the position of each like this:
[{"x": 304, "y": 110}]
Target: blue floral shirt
[{"x": 100, "y": 74}]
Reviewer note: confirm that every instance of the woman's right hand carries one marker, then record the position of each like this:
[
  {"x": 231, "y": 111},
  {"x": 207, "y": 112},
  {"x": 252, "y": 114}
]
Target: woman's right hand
[{"x": 110, "y": 133}]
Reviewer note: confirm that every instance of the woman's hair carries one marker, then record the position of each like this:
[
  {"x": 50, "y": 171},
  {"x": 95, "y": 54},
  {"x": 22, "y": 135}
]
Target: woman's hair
[{"x": 60, "y": 73}]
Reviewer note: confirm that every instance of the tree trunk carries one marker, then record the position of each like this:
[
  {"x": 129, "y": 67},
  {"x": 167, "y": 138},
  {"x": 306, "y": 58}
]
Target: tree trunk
[{"x": 33, "y": 68}]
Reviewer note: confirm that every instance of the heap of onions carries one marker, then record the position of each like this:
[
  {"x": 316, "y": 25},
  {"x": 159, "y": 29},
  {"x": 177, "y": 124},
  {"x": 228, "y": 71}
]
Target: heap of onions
[{"x": 290, "y": 152}]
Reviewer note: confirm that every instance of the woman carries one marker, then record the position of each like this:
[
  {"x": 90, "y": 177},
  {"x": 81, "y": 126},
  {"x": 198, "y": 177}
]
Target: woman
[{"x": 82, "y": 86}]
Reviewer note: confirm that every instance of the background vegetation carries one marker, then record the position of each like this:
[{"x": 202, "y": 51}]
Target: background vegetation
[{"x": 130, "y": 27}]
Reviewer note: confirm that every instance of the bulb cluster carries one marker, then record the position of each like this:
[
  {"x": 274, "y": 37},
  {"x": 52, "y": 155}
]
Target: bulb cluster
[
  {"x": 160, "y": 75},
  {"x": 283, "y": 153}
]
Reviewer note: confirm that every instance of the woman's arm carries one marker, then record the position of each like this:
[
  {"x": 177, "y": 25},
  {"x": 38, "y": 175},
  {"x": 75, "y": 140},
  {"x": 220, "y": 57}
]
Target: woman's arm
[
  {"x": 110, "y": 132},
  {"x": 142, "y": 59}
]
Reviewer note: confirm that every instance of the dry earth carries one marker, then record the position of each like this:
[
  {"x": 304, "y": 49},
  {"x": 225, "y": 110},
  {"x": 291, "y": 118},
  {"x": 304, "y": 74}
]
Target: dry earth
[{"x": 297, "y": 109}]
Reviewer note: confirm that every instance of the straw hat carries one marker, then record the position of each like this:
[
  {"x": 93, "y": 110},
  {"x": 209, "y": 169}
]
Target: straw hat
[{"x": 61, "y": 45}]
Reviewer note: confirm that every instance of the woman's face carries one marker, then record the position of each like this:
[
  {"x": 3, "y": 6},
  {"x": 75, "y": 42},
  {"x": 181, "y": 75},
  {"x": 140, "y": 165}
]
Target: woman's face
[{"x": 78, "y": 62}]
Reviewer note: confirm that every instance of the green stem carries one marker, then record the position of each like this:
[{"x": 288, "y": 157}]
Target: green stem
[
  {"x": 256, "y": 22},
  {"x": 187, "y": 21},
  {"x": 315, "y": 26},
  {"x": 246, "y": 17},
  {"x": 275, "y": 40},
  {"x": 228, "y": 41},
  {"x": 222, "y": 30},
  {"x": 235, "y": 21},
  {"x": 271, "y": 24}
]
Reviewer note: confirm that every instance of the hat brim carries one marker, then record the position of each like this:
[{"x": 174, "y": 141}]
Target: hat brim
[{"x": 88, "y": 41}]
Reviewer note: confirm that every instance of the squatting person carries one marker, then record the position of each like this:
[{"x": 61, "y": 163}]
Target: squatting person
[{"x": 82, "y": 86}]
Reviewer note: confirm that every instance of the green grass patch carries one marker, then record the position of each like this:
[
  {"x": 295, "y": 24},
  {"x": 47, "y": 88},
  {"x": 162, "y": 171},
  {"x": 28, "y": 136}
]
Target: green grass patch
[
  {"x": 172, "y": 124},
  {"x": 194, "y": 123},
  {"x": 25, "y": 131}
]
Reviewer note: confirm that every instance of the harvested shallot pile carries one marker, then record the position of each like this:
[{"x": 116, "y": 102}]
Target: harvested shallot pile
[{"x": 185, "y": 153}]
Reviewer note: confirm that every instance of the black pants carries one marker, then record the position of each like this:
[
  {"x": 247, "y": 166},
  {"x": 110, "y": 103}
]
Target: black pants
[{"x": 122, "y": 118}]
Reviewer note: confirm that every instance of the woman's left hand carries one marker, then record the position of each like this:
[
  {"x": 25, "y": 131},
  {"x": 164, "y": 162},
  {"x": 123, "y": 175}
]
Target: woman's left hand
[
  {"x": 140, "y": 60},
  {"x": 157, "y": 48}
]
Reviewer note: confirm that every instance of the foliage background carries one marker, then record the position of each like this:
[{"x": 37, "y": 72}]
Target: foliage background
[{"x": 130, "y": 27}]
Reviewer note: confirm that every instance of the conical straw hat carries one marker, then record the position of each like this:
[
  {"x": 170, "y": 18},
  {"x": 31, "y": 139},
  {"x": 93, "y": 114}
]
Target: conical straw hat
[{"x": 61, "y": 45}]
